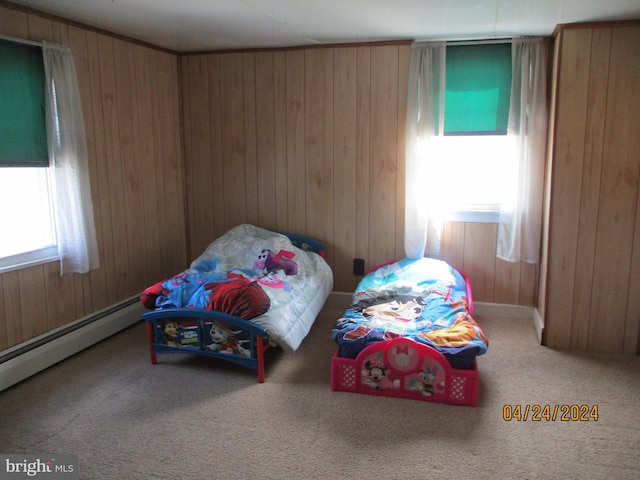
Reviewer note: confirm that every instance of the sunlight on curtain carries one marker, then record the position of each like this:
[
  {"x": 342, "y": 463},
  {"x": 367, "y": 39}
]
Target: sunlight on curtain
[
  {"x": 425, "y": 121},
  {"x": 69, "y": 164},
  {"x": 520, "y": 228}
]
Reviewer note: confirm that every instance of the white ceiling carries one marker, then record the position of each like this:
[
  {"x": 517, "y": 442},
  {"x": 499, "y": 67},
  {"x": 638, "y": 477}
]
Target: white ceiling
[{"x": 197, "y": 25}]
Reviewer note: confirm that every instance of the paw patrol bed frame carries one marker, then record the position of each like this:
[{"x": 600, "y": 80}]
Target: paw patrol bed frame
[
  {"x": 200, "y": 323},
  {"x": 215, "y": 334},
  {"x": 403, "y": 368}
]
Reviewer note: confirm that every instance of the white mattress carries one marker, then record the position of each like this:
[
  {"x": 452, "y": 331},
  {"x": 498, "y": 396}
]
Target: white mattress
[{"x": 299, "y": 298}]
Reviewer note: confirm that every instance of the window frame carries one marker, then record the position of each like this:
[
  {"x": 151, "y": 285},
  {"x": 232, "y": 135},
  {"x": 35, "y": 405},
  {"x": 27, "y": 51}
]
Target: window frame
[
  {"x": 477, "y": 212},
  {"x": 49, "y": 253},
  {"x": 29, "y": 259}
]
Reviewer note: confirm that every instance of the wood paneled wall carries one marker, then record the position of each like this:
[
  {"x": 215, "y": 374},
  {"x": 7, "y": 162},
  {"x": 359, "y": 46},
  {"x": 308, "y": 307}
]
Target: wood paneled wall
[
  {"x": 312, "y": 141},
  {"x": 303, "y": 140},
  {"x": 591, "y": 279},
  {"x": 130, "y": 98}
]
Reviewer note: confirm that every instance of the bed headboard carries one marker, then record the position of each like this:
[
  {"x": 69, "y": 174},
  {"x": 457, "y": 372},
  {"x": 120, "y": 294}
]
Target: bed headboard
[{"x": 307, "y": 244}]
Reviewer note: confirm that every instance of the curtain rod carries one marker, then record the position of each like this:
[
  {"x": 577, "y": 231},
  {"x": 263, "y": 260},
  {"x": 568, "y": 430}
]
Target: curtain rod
[
  {"x": 469, "y": 41},
  {"x": 31, "y": 42},
  {"x": 20, "y": 40},
  {"x": 480, "y": 42}
]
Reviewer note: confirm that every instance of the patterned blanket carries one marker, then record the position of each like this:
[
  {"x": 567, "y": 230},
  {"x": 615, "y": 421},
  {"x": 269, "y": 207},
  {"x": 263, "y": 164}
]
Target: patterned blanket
[
  {"x": 422, "y": 299},
  {"x": 256, "y": 275}
]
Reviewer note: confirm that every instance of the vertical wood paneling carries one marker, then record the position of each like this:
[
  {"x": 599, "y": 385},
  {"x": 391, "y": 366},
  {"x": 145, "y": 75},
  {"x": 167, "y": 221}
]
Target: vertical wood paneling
[
  {"x": 319, "y": 144},
  {"x": 216, "y": 182},
  {"x": 593, "y": 276},
  {"x": 14, "y": 23},
  {"x": 104, "y": 289},
  {"x": 265, "y": 140},
  {"x": 250, "y": 135},
  {"x": 507, "y": 282},
  {"x": 590, "y": 192},
  {"x": 60, "y": 306},
  {"x": 233, "y": 174},
  {"x": 130, "y": 104},
  {"x": 453, "y": 244},
  {"x": 528, "y": 284},
  {"x": 383, "y": 153},
  {"x": 480, "y": 258},
  {"x": 170, "y": 169},
  {"x": 186, "y": 101},
  {"x": 573, "y": 88},
  {"x": 296, "y": 164},
  {"x": 33, "y": 306},
  {"x": 129, "y": 141},
  {"x": 344, "y": 165},
  {"x": 147, "y": 163},
  {"x": 117, "y": 242},
  {"x": 12, "y": 314},
  {"x": 363, "y": 148},
  {"x": 40, "y": 28},
  {"x": 618, "y": 196},
  {"x": 83, "y": 45},
  {"x": 202, "y": 207},
  {"x": 280, "y": 141}
]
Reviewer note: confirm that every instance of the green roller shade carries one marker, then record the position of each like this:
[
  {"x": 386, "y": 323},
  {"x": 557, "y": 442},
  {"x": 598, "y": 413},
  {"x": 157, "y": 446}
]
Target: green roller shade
[
  {"x": 478, "y": 89},
  {"x": 23, "y": 137}
]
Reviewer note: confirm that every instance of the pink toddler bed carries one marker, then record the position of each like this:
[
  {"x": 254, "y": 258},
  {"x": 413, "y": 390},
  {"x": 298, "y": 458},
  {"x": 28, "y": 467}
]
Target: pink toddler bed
[{"x": 410, "y": 333}]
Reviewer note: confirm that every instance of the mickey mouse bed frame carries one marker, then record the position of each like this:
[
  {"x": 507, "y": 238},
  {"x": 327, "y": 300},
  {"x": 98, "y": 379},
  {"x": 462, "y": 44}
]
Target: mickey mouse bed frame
[
  {"x": 200, "y": 324},
  {"x": 403, "y": 368}
]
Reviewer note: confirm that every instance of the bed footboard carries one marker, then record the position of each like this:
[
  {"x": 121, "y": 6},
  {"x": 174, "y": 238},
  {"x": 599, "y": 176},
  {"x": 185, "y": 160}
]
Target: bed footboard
[
  {"x": 209, "y": 333},
  {"x": 404, "y": 368}
]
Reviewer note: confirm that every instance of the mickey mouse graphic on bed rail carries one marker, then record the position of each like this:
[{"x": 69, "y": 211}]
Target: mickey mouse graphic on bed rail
[{"x": 375, "y": 373}]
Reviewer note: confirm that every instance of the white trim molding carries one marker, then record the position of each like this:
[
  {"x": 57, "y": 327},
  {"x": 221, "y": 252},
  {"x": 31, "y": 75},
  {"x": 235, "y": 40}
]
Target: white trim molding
[
  {"x": 502, "y": 310},
  {"x": 28, "y": 358}
]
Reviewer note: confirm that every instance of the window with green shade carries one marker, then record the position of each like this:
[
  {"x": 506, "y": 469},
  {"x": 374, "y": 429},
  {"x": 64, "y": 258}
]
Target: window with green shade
[
  {"x": 478, "y": 89},
  {"x": 23, "y": 138}
]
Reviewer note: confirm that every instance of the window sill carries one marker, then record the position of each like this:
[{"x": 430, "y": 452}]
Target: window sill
[
  {"x": 29, "y": 259},
  {"x": 471, "y": 216}
]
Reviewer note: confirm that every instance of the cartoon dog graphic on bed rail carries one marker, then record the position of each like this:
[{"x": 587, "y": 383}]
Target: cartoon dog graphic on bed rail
[{"x": 224, "y": 340}]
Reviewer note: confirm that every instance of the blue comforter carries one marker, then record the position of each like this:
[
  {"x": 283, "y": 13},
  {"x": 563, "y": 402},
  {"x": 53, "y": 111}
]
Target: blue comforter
[{"x": 422, "y": 299}]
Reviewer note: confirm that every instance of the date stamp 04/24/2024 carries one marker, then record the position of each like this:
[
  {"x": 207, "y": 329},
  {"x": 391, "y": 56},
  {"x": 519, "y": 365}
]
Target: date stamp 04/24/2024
[{"x": 550, "y": 413}]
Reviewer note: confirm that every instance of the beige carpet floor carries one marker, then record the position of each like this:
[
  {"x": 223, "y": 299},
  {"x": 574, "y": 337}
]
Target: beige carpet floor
[{"x": 197, "y": 418}]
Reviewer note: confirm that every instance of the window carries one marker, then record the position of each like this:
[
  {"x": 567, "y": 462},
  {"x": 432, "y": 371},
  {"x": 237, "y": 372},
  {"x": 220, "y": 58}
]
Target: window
[
  {"x": 476, "y": 162},
  {"x": 476, "y": 114},
  {"x": 477, "y": 167},
  {"x": 26, "y": 210}
]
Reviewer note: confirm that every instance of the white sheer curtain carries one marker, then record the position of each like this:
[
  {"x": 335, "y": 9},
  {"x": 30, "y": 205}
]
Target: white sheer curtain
[
  {"x": 69, "y": 165},
  {"x": 425, "y": 121},
  {"x": 519, "y": 231}
]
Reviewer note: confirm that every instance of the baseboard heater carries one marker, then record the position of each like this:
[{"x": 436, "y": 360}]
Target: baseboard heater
[{"x": 28, "y": 358}]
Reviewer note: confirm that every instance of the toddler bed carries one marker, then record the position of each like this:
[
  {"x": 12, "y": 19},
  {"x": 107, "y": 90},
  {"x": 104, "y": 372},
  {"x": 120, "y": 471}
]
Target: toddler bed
[
  {"x": 250, "y": 289},
  {"x": 410, "y": 333}
]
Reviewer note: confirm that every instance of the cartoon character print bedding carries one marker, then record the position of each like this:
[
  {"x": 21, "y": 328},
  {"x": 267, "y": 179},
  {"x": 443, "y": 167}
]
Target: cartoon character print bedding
[
  {"x": 250, "y": 273},
  {"x": 420, "y": 299},
  {"x": 240, "y": 292}
]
